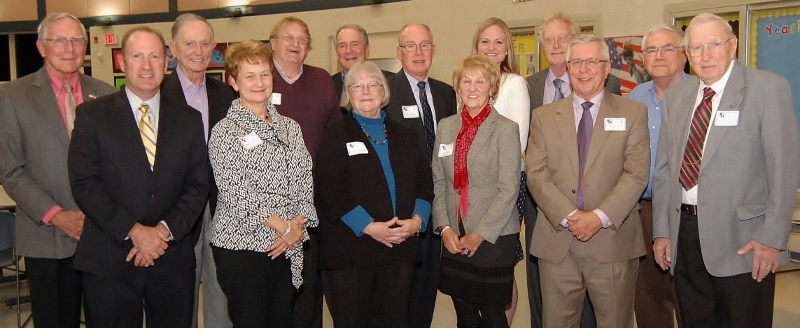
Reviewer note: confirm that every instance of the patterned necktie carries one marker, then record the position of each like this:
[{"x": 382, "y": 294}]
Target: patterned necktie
[
  {"x": 585, "y": 128},
  {"x": 69, "y": 108},
  {"x": 148, "y": 135},
  {"x": 559, "y": 95},
  {"x": 690, "y": 168},
  {"x": 427, "y": 120}
]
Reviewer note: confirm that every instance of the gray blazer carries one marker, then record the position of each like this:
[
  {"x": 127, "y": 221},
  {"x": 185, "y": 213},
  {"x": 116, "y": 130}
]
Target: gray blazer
[
  {"x": 748, "y": 176},
  {"x": 493, "y": 165},
  {"x": 33, "y": 160},
  {"x": 536, "y": 83}
]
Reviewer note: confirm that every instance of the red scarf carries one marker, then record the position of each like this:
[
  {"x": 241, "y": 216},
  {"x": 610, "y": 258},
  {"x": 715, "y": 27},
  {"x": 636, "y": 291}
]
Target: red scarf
[{"x": 469, "y": 128}]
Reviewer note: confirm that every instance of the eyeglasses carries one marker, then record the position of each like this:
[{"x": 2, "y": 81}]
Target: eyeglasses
[
  {"x": 290, "y": 39},
  {"x": 666, "y": 50},
  {"x": 62, "y": 42},
  {"x": 560, "y": 39},
  {"x": 713, "y": 47},
  {"x": 411, "y": 47},
  {"x": 591, "y": 62},
  {"x": 371, "y": 87}
]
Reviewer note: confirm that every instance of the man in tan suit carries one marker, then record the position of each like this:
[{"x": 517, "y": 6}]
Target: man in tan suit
[{"x": 588, "y": 161}]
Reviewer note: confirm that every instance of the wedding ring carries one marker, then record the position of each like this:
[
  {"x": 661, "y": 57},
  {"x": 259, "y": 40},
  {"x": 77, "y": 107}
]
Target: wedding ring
[{"x": 579, "y": 237}]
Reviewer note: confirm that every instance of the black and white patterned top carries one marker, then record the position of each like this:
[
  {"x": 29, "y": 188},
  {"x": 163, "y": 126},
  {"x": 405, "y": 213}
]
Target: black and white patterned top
[{"x": 257, "y": 180}]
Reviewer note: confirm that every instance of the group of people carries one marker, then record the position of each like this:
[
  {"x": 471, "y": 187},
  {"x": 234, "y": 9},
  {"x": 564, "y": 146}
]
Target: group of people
[{"x": 379, "y": 188}]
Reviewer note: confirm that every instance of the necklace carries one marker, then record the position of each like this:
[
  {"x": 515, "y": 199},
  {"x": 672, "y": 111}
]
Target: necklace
[{"x": 385, "y": 136}]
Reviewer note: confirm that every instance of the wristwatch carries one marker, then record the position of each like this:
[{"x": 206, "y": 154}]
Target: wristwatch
[{"x": 440, "y": 229}]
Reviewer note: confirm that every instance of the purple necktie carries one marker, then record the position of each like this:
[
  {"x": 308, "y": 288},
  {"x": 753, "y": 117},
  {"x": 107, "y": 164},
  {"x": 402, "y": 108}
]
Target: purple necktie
[{"x": 584, "y": 139}]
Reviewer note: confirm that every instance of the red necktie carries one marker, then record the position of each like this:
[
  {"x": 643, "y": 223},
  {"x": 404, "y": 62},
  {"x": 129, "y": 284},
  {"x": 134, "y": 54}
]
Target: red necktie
[{"x": 690, "y": 168}]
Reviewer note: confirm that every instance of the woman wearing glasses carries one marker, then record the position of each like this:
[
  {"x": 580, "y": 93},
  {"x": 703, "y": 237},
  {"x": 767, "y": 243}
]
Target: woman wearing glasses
[
  {"x": 376, "y": 190},
  {"x": 476, "y": 167},
  {"x": 493, "y": 40}
]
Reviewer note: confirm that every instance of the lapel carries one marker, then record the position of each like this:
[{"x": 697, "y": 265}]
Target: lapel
[
  {"x": 123, "y": 114},
  {"x": 439, "y": 103},
  {"x": 608, "y": 108},
  {"x": 406, "y": 97},
  {"x": 46, "y": 101},
  {"x": 89, "y": 89},
  {"x": 166, "y": 128},
  {"x": 683, "y": 109},
  {"x": 373, "y": 162},
  {"x": 537, "y": 87},
  {"x": 217, "y": 108},
  {"x": 731, "y": 98},
  {"x": 565, "y": 122},
  {"x": 484, "y": 132}
]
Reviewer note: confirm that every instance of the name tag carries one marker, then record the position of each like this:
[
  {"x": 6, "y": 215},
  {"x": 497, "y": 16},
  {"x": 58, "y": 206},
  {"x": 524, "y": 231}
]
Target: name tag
[
  {"x": 727, "y": 118},
  {"x": 356, "y": 148},
  {"x": 446, "y": 150},
  {"x": 614, "y": 124},
  {"x": 251, "y": 140},
  {"x": 410, "y": 112},
  {"x": 276, "y": 98}
]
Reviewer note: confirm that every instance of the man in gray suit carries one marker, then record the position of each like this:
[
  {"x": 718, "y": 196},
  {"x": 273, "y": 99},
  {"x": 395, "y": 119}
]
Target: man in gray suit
[
  {"x": 37, "y": 112},
  {"x": 726, "y": 178},
  {"x": 549, "y": 85}
]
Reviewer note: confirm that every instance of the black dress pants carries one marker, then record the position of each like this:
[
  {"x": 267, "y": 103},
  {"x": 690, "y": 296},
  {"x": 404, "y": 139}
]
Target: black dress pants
[{"x": 56, "y": 290}]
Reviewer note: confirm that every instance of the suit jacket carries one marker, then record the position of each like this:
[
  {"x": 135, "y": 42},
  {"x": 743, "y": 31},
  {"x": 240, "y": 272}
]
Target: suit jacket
[
  {"x": 536, "y": 83},
  {"x": 444, "y": 103},
  {"x": 220, "y": 96},
  {"x": 344, "y": 182},
  {"x": 493, "y": 165},
  {"x": 113, "y": 184},
  {"x": 615, "y": 175},
  {"x": 33, "y": 160},
  {"x": 748, "y": 175}
]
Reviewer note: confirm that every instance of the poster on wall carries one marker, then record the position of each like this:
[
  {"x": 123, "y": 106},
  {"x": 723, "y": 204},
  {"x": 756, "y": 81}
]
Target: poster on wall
[
  {"x": 116, "y": 54},
  {"x": 217, "y": 60},
  {"x": 627, "y": 61},
  {"x": 526, "y": 49}
]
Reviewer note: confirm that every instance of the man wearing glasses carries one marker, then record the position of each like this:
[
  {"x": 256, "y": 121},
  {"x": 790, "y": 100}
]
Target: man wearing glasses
[
  {"x": 37, "y": 114},
  {"x": 587, "y": 163},
  {"x": 420, "y": 102},
  {"x": 725, "y": 185},
  {"x": 664, "y": 60},
  {"x": 547, "y": 86}
]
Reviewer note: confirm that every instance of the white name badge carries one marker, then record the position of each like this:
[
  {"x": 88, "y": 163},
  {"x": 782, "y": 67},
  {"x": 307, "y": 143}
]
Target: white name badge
[
  {"x": 410, "y": 112},
  {"x": 614, "y": 124},
  {"x": 356, "y": 148},
  {"x": 727, "y": 118},
  {"x": 276, "y": 98},
  {"x": 446, "y": 150},
  {"x": 251, "y": 140}
]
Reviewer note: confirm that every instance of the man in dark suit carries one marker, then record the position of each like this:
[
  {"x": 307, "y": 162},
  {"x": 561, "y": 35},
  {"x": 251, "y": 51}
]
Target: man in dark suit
[
  {"x": 420, "y": 102},
  {"x": 37, "y": 114},
  {"x": 554, "y": 35},
  {"x": 193, "y": 45},
  {"x": 727, "y": 168},
  {"x": 352, "y": 47},
  {"x": 138, "y": 165}
]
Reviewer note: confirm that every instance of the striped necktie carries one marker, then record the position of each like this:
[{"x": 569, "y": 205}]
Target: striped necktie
[
  {"x": 148, "y": 134},
  {"x": 690, "y": 168}
]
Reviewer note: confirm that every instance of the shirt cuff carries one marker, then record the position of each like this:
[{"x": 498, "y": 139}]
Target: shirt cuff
[
  {"x": 357, "y": 219},
  {"x": 603, "y": 217},
  {"x": 171, "y": 237},
  {"x": 423, "y": 209},
  {"x": 50, "y": 214},
  {"x": 564, "y": 222}
]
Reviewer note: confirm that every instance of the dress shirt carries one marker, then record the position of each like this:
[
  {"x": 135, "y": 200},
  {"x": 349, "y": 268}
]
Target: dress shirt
[
  {"x": 412, "y": 81},
  {"x": 550, "y": 88},
  {"x": 283, "y": 73},
  {"x": 154, "y": 104},
  {"x": 646, "y": 93},
  {"x": 578, "y": 110},
  {"x": 690, "y": 196},
  {"x": 196, "y": 96}
]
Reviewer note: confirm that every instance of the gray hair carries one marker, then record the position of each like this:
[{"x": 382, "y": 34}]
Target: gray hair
[
  {"x": 677, "y": 33},
  {"x": 556, "y": 16},
  {"x": 706, "y": 18},
  {"x": 405, "y": 27},
  {"x": 368, "y": 69},
  {"x": 356, "y": 27},
  {"x": 189, "y": 17},
  {"x": 45, "y": 24},
  {"x": 587, "y": 38}
]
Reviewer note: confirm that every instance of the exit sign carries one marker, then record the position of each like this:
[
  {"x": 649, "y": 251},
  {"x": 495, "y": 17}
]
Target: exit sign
[{"x": 111, "y": 38}]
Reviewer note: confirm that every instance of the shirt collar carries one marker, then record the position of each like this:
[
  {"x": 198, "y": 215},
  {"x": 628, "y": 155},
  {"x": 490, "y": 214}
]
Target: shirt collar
[
  {"x": 283, "y": 73},
  {"x": 719, "y": 86},
  {"x": 185, "y": 83},
  {"x": 58, "y": 84},
  {"x": 413, "y": 81}
]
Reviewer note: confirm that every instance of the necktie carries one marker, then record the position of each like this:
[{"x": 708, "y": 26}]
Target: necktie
[
  {"x": 148, "y": 135},
  {"x": 69, "y": 108},
  {"x": 559, "y": 95},
  {"x": 427, "y": 120},
  {"x": 585, "y": 128},
  {"x": 690, "y": 168}
]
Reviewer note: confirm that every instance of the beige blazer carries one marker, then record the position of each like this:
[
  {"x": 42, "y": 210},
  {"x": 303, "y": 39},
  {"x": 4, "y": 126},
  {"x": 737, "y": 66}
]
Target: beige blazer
[{"x": 616, "y": 173}]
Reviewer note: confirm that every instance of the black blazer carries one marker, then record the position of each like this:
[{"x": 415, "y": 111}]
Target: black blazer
[
  {"x": 444, "y": 103},
  {"x": 220, "y": 96},
  {"x": 338, "y": 84},
  {"x": 113, "y": 185},
  {"x": 344, "y": 182}
]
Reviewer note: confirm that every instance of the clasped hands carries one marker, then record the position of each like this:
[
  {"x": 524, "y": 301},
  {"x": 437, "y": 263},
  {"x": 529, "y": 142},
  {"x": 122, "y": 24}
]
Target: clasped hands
[
  {"x": 285, "y": 241},
  {"x": 584, "y": 225},
  {"x": 394, "y": 231},
  {"x": 466, "y": 245},
  {"x": 149, "y": 243}
]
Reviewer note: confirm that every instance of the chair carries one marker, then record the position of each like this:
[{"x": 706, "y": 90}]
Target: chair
[{"x": 8, "y": 257}]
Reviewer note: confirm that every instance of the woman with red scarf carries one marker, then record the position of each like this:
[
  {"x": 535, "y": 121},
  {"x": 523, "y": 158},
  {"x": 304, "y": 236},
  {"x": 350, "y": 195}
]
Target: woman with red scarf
[{"x": 476, "y": 181}]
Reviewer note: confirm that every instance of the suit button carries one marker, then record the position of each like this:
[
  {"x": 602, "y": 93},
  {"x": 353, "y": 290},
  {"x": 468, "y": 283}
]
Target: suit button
[
  {"x": 151, "y": 194},
  {"x": 573, "y": 191}
]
